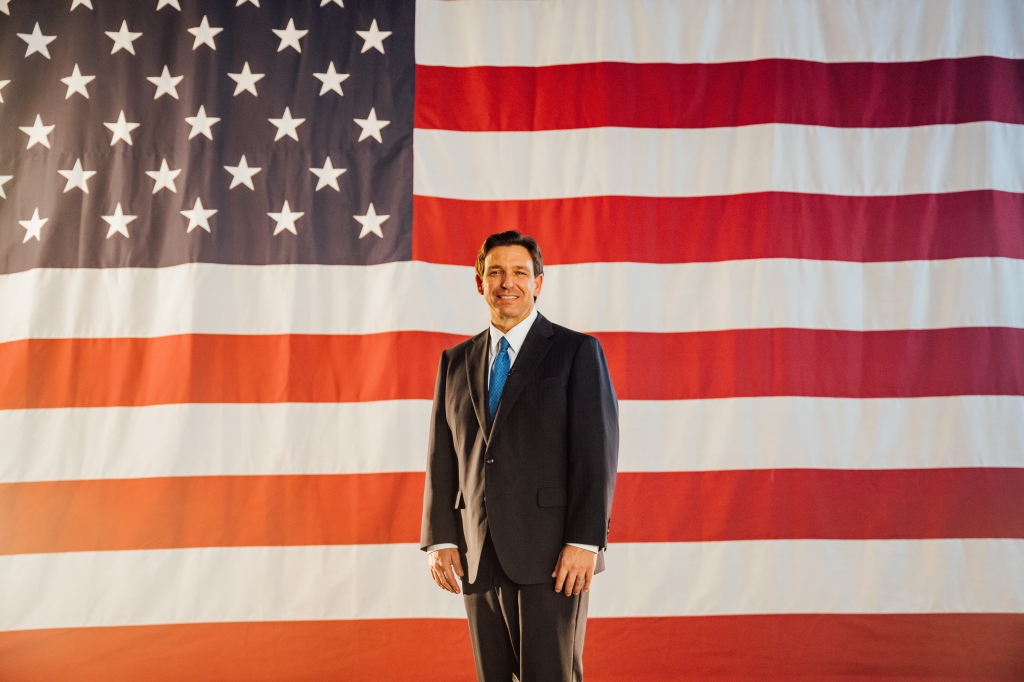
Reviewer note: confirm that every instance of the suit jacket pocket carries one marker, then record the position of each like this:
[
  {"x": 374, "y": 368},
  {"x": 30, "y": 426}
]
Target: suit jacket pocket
[{"x": 551, "y": 497}]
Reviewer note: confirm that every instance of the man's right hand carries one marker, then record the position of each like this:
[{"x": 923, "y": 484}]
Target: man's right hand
[{"x": 444, "y": 566}]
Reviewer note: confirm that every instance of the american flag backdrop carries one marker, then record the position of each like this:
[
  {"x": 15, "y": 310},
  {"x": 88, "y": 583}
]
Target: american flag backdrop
[{"x": 235, "y": 236}]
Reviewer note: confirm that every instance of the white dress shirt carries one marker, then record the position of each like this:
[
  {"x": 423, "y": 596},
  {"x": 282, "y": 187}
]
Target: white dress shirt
[{"x": 515, "y": 337}]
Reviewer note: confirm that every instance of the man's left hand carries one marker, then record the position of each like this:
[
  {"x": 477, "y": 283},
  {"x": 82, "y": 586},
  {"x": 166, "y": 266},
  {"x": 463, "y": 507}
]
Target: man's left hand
[{"x": 575, "y": 570}]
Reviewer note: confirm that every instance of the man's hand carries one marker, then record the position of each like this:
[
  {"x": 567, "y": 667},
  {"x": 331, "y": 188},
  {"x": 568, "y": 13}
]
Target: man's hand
[
  {"x": 575, "y": 570},
  {"x": 444, "y": 566}
]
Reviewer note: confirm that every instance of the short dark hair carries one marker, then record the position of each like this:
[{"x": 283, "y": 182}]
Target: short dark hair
[{"x": 511, "y": 238}]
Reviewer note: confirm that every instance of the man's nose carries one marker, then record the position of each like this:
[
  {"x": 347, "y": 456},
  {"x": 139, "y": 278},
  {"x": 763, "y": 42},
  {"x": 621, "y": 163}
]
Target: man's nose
[{"x": 507, "y": 282}]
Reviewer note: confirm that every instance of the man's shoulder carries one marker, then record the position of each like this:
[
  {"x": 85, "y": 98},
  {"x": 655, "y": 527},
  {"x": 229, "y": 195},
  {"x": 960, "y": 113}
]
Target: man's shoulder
[
  {"x": 569, "y": 337},
  {"x": 458, "y": 351}
]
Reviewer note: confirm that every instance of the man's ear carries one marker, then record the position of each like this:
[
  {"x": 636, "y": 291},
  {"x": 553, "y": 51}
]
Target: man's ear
[
  {"x": 479, "y": 285},
  {"x": 538, "y": 283}
]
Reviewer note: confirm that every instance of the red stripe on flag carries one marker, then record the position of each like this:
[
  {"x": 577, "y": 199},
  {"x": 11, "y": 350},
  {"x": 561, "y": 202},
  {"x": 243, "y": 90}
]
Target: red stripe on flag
[
  {"x": 244, "y": 511},
  {"x": 212, "y": 368},
  {"x": 839, "y": 648},
  {"x": 844, "y": 95},
  {"x": 733, "y": 227},
  {"x": 817, "y": 363},
  {"x": 837, "y": 504},
  {"x": 209, "y": 368},
  {"x": 394, "y": 649},
  {"x": 209, "y": 511}
]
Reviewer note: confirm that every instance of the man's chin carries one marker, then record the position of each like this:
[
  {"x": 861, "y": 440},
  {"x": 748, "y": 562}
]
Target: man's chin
[{"x": 510, "y": 317}]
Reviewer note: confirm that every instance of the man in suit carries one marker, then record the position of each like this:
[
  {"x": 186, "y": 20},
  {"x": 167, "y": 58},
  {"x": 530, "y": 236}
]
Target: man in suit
[{"x": 520, "y": 475}]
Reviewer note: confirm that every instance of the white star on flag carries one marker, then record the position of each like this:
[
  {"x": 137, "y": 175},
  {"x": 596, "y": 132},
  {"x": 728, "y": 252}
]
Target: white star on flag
[
  {"x": 371, "y": 222},
  {"x": 123, "y": 38},
  {"x": 373, "y": 38},
  {"x": 168, "y": 3},
  {"x": 286, "y": 219},
  {"x": 198, "y": 216},
  {"x": 33, "y": 227},
  {"x": 37, "y": 42},
  {"x": 77, "y": 177},
  {"x": 246, "y": 81},
  {"x": 118, "y": 222},
  {"x": 289, "y": 36},
  {"x": 121, "y": 129},
  {"x": 371, "y": 126},
  {"x": 76, "y": 82},
  {"x": 204, "y": 34},
  {"x": 286, "y": 125},
  {"x": 165, "y": 84},
  {"x": 242, "y": 2},
  {"x": 4, "y": 7},
  {"x": 242, "y": 174},
  {"x": 3, "y": 84},
  {"x": 37, "y": 133},
  {"x": 339, "y": 3},
  {"x": 201, "y": 123},
  {"x": 164, "y": 177},
  {"x": 331, "y": 80},
  {"x": 4, "y": 179},
  {"x": 84, "y": 3},
  {"x": 328, "y": 176}
]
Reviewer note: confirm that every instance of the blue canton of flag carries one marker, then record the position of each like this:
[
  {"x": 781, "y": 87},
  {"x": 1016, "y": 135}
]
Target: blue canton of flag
[{"x": 149, "y": 133}]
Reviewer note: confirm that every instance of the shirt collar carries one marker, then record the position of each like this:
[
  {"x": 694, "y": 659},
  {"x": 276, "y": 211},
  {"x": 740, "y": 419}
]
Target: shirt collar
[{"x": 515, "y": 336}]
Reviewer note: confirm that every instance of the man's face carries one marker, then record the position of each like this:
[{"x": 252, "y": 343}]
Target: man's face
[{"x": 509, "y": 285}]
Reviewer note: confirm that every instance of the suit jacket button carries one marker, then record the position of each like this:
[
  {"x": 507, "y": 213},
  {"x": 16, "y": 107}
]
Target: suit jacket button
[{"x": 490, "y": 461}]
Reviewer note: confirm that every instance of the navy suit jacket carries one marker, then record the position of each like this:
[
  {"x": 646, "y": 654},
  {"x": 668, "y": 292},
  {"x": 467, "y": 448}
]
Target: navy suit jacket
[{"x": 543, "y": 473}]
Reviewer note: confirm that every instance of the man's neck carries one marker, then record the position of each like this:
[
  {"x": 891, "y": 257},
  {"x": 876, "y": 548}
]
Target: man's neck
[{"x": 503, "y": 324}]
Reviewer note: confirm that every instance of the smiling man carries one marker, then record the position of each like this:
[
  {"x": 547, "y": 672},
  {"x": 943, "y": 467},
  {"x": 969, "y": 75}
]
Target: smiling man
[{"x": 520, "y": 474}]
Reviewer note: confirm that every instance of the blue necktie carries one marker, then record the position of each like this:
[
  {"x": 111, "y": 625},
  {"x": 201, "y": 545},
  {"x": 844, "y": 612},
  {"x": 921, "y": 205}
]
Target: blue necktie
[{"x": 499, "y": 373}]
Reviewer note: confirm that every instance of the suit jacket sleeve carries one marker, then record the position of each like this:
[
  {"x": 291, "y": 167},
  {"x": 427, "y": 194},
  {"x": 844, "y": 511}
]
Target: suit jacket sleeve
[
  {"x": 593, "y": 446},
  {"x": 442, "y": 481}
]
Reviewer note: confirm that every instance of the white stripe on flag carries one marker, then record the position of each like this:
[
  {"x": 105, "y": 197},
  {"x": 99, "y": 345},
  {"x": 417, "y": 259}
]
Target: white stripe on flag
[
  {"x": 663, "y": 162},
  {"x": 530, "y": 33},
  {"x": 821, "y": 433},
  {"x": 769, "y": 293},
  {"x": 239, "y": 299},
  {"x": 201, "y": 439},
  {"x": 834, "y": 576},
  {"x": 238, "y": 584},
  {"x": 361, "y": 438},
  {"x": 638, "y": 297}
]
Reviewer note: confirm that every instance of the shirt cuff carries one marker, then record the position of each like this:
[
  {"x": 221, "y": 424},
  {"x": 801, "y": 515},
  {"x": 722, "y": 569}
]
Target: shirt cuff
[
  {"x": 442, "y": 545},
  {"x": 589, "y": 548}
]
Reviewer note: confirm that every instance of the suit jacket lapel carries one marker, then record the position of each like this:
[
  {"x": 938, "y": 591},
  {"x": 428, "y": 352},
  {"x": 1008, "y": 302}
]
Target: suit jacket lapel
[
  {"x": 534, "y": 348},
  {"x": 476, "y": 373}
]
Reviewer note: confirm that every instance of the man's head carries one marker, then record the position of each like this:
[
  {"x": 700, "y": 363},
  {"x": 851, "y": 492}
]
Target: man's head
[{"x": 509, "y": 275}]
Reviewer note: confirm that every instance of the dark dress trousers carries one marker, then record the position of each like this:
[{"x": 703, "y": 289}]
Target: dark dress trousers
[{"x": 511, "y": 493}]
